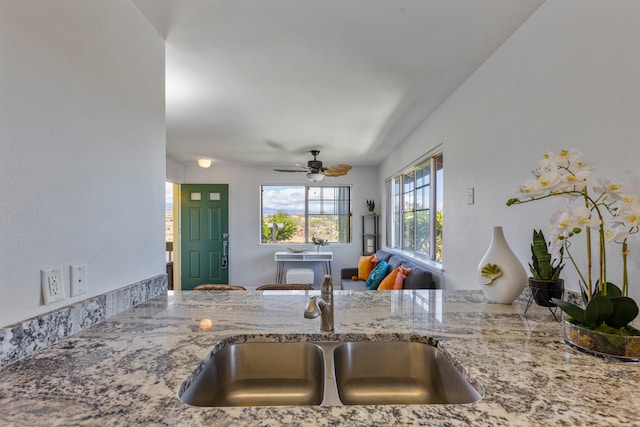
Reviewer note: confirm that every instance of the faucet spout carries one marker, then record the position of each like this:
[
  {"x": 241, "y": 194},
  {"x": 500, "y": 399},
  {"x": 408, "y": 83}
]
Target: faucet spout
[{"x": 322, "y": 306}]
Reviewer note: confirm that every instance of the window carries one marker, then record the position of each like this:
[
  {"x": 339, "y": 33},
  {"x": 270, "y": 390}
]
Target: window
[
  {"x": 295, "y": 214},
  {"x": 415, "y": 214}
]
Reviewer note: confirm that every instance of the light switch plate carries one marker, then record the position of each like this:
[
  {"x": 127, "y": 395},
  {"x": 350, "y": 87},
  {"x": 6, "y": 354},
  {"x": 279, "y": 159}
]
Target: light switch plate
[{"x": 470, "y": 196}]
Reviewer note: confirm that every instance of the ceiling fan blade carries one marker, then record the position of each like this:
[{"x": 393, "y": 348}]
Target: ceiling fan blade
[
  {"x": 334, "y": 174},
  {"x": 315, "y": 166},
  {"x": 289, "y": 170},
  {"x": 336, "y": 170},
  {"x": 339, "y": 167}
]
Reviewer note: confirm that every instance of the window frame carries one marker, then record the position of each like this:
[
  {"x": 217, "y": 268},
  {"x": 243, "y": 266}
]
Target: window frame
[
  {"x": 347, "y": 218},
  {"x": 398, "y": 194}
]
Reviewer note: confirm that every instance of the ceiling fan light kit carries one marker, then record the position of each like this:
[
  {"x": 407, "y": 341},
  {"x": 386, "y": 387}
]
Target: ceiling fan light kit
[
  {"x": 315, "y": 171},
  {"x": 315, "y": 176}
]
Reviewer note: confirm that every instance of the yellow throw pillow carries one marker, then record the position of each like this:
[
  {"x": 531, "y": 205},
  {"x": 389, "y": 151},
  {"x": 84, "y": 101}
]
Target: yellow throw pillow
[
  {"x": 365, "y": 265},
  {"x": 389, "y": 281}
]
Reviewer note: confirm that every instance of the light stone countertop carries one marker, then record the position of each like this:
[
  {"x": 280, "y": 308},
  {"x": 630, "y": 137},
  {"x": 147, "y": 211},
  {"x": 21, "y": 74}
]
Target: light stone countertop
[{"x": 127, "y": 370}]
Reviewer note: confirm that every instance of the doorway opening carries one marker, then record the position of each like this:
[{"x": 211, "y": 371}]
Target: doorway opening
[{"x": 171, "y": 233}]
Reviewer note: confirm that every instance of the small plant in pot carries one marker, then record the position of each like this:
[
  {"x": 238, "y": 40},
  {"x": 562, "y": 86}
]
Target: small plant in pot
[
  {"x": 371, "y": 205},
  {"x": 545, "y": 282}
]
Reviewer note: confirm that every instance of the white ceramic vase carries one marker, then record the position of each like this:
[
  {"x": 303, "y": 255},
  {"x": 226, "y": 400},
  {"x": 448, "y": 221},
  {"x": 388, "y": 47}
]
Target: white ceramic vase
[{"x": 512, "y": 279}]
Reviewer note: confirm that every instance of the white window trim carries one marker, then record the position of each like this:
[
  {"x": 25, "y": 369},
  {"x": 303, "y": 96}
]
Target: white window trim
[
  {"x": 306, "y": 214},
  {"x": 390, "y": 226}
]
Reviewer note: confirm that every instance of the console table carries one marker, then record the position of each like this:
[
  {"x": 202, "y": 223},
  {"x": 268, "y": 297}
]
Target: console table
[{"x": 281, "y": 257}]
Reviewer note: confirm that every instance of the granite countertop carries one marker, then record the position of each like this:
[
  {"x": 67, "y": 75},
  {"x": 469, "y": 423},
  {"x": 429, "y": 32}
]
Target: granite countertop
[{"x": 127, "y": 370}]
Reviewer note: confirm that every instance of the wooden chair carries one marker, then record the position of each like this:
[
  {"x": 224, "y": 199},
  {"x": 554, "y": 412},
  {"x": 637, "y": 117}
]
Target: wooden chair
[
  {"x": 219, "y": 288},
  {"x": 285, "y": 287}
]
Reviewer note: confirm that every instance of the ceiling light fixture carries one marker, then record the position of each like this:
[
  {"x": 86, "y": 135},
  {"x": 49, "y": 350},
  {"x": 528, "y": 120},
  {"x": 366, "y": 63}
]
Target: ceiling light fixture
[
  {"x": 204, "y": 163},
  {"x": 315, "y": 176}
]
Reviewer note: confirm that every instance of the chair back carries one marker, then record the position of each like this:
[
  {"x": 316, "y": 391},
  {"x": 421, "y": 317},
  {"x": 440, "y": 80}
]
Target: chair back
[
  {"x": 284, "y": 287},
  {"x": 218, "y": 287}
]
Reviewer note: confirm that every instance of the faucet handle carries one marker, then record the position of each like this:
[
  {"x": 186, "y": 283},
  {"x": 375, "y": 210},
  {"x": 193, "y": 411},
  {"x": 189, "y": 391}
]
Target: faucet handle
[{"x": 312, "y": 310}]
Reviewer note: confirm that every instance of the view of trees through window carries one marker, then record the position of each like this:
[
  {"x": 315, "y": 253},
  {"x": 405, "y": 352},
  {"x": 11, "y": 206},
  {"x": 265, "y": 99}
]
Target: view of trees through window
[{"x": 296, "y": 214}]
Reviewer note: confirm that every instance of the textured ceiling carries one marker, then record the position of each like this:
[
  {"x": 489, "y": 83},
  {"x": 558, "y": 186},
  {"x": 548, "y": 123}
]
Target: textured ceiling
[{"x": 264, "y": 81}]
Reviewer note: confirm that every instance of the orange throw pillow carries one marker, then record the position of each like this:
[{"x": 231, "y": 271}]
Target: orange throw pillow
[
  {"x": 389, "y": 281},
  {"x": 365, "y": 265},
  {"x": 399, "y": 283}
]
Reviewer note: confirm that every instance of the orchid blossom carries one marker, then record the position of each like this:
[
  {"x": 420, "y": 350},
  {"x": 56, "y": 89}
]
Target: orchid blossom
[{"x": 566, "y": 175}]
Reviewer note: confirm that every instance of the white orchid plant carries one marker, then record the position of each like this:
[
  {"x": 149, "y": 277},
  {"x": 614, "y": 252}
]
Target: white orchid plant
[{"x": 612, "y": 211}]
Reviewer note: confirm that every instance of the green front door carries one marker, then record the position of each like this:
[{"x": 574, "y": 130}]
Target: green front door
[{"x": 205, "y": 234}]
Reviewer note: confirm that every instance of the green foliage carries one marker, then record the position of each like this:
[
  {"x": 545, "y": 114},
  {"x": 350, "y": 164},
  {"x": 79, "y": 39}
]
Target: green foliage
[
  {"x": 282, "y": 234},
  {"x": 541, "y": 265},
  {"x": 421, "y": 237},
  {"x": 627, "y": 330},
  {"x": 577, "y": 313},
  {"x": 599, "y": 309},
  {"x": 625, "y": 310},
  {"x": 612, "y": 309},
  {"x": 371, "y": 205},
  {"x": 439, "y": 222}
]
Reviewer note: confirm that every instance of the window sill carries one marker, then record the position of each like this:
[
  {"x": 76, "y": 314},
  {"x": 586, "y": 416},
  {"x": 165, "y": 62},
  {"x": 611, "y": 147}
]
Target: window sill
[
  {"x": 306, "y": 246},
  {"x": 435, "y": 266}
]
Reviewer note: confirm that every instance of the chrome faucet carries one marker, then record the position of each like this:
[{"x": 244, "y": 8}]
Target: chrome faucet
[{"x": 322, "y": 305}]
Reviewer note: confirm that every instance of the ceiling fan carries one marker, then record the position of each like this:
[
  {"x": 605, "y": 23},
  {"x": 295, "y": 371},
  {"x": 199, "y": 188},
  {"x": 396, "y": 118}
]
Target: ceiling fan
[{"x": 315, "y": 171}]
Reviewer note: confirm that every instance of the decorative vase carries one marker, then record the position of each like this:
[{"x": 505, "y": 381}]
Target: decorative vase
[
  {"x": 543, "y": 290},
  {"x": 317, "y": 248},
  {"x": 501, "y": 275},
  {"x": 625, "y": 348}
]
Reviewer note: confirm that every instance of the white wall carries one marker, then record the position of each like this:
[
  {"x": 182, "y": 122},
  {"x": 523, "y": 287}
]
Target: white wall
[
  {"x": 567, "y": 78},
  {"x": 175, "y": 171},
  {"x": 82, "y": 152},
  {"x": 251, "y": 263}
]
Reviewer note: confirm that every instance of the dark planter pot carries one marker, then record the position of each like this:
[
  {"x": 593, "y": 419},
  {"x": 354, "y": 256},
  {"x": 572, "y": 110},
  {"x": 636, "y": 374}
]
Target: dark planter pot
[{"x": 544, "y": 290}]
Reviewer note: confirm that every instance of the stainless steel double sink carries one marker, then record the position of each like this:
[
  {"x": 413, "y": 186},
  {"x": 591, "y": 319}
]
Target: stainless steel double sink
[{"x": 327, "y": 373}]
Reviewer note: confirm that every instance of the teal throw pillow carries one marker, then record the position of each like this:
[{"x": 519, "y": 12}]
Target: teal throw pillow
[{"x": 377, "y": 274}]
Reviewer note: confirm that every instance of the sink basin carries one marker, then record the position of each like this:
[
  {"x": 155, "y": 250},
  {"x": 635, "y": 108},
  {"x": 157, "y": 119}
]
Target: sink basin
[
  {"x": 260, "y": 374},
  {"x": 398, "y": 372},
  {"x": 327, "y": 373}
]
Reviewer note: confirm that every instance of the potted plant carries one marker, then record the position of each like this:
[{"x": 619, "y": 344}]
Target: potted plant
[
  {"x": 545, "y": 282},
  {"x": 318, "y": 241},
  {"x": 612, "y": 211},
  {"x": 371, "y": 205}
]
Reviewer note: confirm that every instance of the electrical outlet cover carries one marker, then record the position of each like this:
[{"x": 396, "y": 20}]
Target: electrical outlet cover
[
  {"x": 52, "y": 285},
  {"x": 78, "y": 274}
]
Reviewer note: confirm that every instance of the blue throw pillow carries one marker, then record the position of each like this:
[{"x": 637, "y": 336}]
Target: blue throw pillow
[{"x": 376, "y": 276}]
